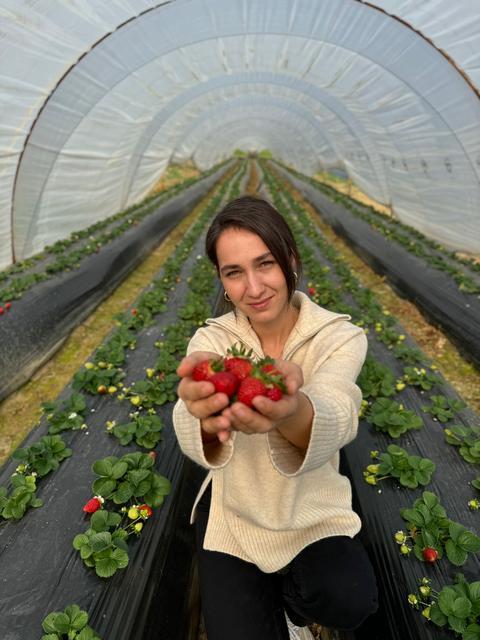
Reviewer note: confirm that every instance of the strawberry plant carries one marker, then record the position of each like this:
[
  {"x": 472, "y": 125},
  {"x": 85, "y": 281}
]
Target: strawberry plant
[
  {"x": 22, "y": 496},
  {"x": 410, "y": 471},
  {"x": 42, "y": 456},
  {"x": 156, "y": 391},
  {"x": 456, "y": 606},
  {"x": 113, "y": 350},
  {"x": 145, "y": 430},
  {"x": 132, "y": 476},
  {"x": 409, "y": 355},
  {"x": 420, "y": 377},
  {"x": 128, "y": 481},
  {"x": 98, "y": 379},
  {"x": 67, "y": 415},
  {"x": 434, "y": 534},
  {"x": 375, "y": 380},
  {"x": 104, "y": 544},
  {"x": 443, "y": 408},
  {"x": 467, "y": 439},
  {"x": 70, "y": 624},
  {"x": 391, "y": 417}
]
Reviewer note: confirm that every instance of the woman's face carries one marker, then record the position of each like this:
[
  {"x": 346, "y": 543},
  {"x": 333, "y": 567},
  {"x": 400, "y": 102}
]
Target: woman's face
[{"x": 251, "y": 276}]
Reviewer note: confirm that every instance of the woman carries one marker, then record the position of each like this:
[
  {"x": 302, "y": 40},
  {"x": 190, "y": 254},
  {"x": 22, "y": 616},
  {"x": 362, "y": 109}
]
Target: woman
[{"x": 274, "y": 523}]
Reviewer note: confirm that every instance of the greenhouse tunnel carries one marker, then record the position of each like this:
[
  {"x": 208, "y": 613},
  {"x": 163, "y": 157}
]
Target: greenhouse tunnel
[{"x": 125, "y": 126}]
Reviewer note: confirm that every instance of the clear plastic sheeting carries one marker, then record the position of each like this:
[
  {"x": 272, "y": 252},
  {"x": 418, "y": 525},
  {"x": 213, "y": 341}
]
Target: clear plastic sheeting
[{"x": 97, "y": 99}]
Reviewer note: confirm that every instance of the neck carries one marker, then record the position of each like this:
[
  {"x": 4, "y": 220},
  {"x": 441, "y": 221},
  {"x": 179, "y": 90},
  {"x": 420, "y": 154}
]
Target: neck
[{"x": 273, "y": 335}]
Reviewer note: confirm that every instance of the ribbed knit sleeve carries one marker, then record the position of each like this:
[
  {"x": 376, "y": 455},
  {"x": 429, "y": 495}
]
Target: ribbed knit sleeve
[
  {"x": 335, "y": 399},
  {"x": 187, "y": 427}
]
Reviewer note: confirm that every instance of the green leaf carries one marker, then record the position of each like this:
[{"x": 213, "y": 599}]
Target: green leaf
[
  {"x": 101, "y": 541},
  {"x": 99, "y": 520},
  {"x": 106, "y": 567},
  {"x": 103, "y": 487},
  {"x": 103, "y": 467},
  {"x": 51, "y": 636},
  {"x": 455, "y": 529},
  {"x": 472, "y": 632},
  {"x": 121, "y": 557},
  {"x": 456, "y": 555},
  {"x": 474, "y": 591},
  {"x": 48, "y": 623},
  {"x": 437, "y": 617},
  {"x": 119, "y": 469},
  {"x": 430, "y": 499},
  {"x": 62, "y": 623},
  {"x": 123, "y": 493},
  {"x": 429, "y": 539},
  {"x": 78, "y": 618},
  {"x": 462, "y": 608},
  {"x": 457, "y": 624},
  {"x": 469, "y": 541},
  {"x": 446, "y": 600},
  {"x": 79, "y": 541}
]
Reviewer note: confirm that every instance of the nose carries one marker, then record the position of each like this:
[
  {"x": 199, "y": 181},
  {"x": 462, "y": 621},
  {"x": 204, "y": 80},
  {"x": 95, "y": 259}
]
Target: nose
[{"x": 255, "y": 286}]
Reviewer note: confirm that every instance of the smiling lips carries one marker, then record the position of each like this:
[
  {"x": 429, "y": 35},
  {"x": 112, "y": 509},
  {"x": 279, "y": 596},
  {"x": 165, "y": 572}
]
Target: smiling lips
[{"x": 260, "y": 305}]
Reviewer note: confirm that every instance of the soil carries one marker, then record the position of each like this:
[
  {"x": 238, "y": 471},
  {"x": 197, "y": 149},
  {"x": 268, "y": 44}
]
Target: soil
[{"x": 174, "y": 174}]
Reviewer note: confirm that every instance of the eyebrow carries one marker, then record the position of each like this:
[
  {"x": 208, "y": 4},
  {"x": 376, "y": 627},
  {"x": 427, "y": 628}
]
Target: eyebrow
[{"x": 228, "y": 267}]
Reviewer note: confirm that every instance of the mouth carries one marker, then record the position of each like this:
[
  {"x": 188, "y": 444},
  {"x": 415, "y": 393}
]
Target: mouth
[{"x": 263, "y": 304}]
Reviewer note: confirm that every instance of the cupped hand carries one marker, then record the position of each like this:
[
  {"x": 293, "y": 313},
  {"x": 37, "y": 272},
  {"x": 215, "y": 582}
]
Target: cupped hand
[
  {"x": 267, "y": 414},
  {"x": 200, "y": 397}
]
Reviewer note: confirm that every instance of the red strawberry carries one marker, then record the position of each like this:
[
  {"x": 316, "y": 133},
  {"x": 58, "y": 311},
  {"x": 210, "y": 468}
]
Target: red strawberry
[
  {"x": 240, "y": 367},
  {"x": 134, "y": 312},
  {"x": 7, "y": 305},
  {"x": 224, "y": 382},
  {"x": 311, "y": 291},
  {"x": 94, "y": 504},
  {"x": 274, "y": 393},
  {"x": 239, "y": 362},
  {"x": 1, "y": 310},
  {"x": 152, "y": 455},
  {"x": 430, "y": 554},
  {"x": 145, "y": 510},
  {"x": 205, "y": 369},
  {"x": 250, "y": 388}
]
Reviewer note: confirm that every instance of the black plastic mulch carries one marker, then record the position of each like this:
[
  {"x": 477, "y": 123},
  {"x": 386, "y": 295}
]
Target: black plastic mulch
[
  {"x": 379, "y": 507},
  {"x": 38, "y": 323},
  {"x": 39, "y": 569},
  {"x": 433, "y": 291}
]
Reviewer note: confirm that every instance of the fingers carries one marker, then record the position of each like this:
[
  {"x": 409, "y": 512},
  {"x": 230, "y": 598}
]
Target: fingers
[
  {"x": 190, "y": 391},
  {"x": 247, "y": 420},
  {"x": 207, "y": 407},
  {"x": 188, "y": 364}
]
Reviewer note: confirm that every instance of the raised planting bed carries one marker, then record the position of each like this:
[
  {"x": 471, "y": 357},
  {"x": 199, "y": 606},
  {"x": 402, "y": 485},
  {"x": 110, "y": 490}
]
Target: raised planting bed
[
  {"x": 433, "y": 291},
  {"x": 122, "y": 568},
  {"x": 409, "y": 406},
  {"x": 38, "y": 324}
]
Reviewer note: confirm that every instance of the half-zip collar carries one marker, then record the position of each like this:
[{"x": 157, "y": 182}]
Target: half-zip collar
[{"x": 311, "y": 319}]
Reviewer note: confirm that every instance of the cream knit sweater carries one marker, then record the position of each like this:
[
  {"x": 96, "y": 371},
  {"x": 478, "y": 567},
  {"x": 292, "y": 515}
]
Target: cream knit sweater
[{"x": 269, "y": 499}]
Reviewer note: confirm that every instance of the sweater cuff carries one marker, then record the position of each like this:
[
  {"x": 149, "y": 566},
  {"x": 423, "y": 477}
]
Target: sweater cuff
[
  {"x": 189, "y": 435},
  {"x": 334, "y": 424}
]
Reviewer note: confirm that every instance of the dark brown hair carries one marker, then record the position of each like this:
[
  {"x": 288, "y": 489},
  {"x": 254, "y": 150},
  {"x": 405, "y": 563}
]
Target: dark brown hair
[{"x": 259, "y": 217}]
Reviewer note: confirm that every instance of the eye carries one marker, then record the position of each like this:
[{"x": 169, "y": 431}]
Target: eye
[
  {"x": 232, "y": 274},
  {"x": 267, "y": 263}
]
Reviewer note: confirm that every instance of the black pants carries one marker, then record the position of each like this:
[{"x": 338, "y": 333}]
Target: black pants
[{"x": 330, "y": 582}]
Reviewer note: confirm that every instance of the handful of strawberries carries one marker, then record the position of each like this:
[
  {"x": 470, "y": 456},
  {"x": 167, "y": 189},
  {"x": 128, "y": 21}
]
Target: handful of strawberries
[{"x": 241, "y": 378}]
